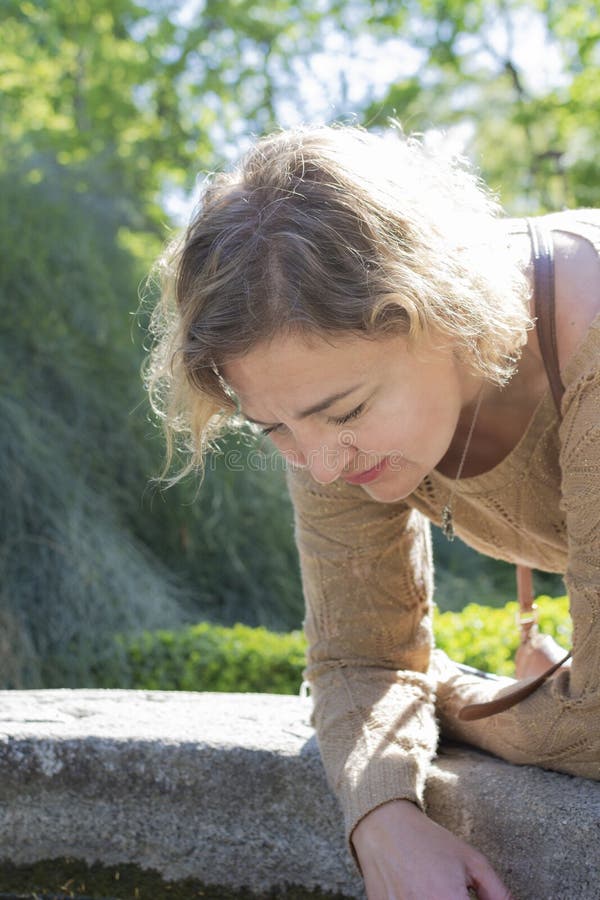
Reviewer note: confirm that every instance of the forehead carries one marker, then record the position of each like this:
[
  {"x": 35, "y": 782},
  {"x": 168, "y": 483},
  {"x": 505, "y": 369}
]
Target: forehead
[
  {"x": 302, "y": 360},
  {"x": 292, "y": 371}
]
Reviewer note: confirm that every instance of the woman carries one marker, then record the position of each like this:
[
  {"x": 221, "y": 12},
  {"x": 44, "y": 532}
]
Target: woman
[{"x": 365, "y": 305}]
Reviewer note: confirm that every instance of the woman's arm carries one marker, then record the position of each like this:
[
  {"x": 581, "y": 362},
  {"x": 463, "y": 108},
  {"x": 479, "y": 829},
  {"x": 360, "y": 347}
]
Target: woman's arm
[{"x": 367, "y": 578}]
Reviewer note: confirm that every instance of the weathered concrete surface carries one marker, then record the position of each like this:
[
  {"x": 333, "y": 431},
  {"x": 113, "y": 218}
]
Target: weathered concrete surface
[{"x": 229, "y": 789}]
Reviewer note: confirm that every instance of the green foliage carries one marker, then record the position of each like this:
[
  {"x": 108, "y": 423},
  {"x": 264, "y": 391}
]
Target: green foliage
[
  {"x": 462, "y": 573},
  {"x": 233, "y": 539},
  {"x": 72, "y": 572},
  {"x": 488, "y": 638},
  {"x": 213, "y": 658},
  {"x": 85, "y": 548},
  {"x": 89, "y": 81},
  {"x": 531, "y": 107},
  {"x": 147, "y": 91},
  {"x": 152, "y": 93}
]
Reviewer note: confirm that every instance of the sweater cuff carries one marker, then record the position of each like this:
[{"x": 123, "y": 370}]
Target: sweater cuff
[{"x": 388, "y": 779}]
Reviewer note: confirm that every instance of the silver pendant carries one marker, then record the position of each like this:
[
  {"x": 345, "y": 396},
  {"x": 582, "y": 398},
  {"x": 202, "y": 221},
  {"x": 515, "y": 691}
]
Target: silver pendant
[{"x": 447, "y": 524}]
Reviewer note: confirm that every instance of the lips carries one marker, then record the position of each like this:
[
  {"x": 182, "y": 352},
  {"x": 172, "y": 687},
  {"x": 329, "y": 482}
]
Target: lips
[{"x": 368, "y": 475}]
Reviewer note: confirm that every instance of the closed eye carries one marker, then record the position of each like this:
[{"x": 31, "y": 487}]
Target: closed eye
[
  {"x": 352, "y": 415},
  {"x": 336, "y": 421}
]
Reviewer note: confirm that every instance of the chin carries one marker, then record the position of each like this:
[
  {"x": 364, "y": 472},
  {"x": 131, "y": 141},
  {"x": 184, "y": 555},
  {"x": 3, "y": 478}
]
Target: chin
[{"x": 391, "y": 491}]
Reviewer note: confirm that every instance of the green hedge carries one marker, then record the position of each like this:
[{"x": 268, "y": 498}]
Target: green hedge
[
  {"x": 488, "y": 638},
  {"x": 214, "y": 658},
  {"x": 208, "y": 657}
]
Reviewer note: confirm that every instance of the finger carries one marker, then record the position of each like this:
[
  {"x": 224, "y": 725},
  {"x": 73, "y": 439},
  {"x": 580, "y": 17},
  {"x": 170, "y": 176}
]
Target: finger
[{"x": 486, "y": 882}]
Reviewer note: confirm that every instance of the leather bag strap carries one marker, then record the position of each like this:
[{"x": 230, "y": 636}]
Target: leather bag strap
[
  {"x": 543, "y": 274},
  {"x": 525, "y": 596},
  {"x": 510, "y": 697},
  {"x": 543, "y": 280}
]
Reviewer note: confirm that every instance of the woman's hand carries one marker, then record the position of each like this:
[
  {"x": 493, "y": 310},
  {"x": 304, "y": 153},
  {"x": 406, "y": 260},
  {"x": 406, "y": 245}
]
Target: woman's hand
[{"x": 406, "y": 856}]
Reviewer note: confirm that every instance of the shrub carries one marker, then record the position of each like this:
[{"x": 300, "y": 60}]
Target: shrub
[
  {"x": 488, "y": 638},
  {"x": 214, "y": 658},
  {"x": 209, "y": 657}
]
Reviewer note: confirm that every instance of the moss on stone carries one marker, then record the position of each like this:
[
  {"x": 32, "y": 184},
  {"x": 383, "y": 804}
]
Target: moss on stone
[{"x": 71, "y": 879}]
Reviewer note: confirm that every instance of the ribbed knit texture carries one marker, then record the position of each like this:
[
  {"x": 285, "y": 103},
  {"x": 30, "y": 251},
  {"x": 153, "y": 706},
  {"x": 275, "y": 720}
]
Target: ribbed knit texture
[{"x": 367, "y": 576}]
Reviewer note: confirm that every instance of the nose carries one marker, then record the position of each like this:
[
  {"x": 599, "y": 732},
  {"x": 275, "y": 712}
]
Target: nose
[{"x": 325, "y": 461}]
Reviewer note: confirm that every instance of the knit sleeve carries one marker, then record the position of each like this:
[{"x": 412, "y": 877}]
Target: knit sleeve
[
  {"x": 580, "y": 467},
  {"x": 558, "y": 726},
  {"x": 367, "y": 580}
]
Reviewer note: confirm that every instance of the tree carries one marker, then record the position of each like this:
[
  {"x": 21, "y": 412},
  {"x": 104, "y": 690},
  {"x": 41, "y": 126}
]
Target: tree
[
  {"x": 156, "y": 91},
  {"x": 146, "y": 93},
  {"x": 519, "y": 76}
]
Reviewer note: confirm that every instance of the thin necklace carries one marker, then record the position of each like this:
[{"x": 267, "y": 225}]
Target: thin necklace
[{"x": 447, "y": 523}]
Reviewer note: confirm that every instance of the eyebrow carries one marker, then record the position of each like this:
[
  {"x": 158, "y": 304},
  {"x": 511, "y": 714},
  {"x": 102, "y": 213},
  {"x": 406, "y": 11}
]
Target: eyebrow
[{"x": 316, "y": 408}]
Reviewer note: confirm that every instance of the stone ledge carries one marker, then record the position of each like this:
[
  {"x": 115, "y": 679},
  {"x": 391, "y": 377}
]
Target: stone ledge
[{"x": 228, "y": 790}]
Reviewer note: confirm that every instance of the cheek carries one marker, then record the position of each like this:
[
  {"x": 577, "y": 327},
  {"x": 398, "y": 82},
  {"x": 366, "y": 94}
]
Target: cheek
[
  {"x": 382, "y": 436},
  {"x": 406, "y": 431}
]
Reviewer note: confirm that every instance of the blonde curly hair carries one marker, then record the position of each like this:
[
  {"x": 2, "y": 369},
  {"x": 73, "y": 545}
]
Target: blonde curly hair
[{"x": 329, "y": 230}]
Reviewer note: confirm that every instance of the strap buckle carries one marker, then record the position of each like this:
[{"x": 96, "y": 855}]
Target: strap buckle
[{"x": 527, "y": 618}]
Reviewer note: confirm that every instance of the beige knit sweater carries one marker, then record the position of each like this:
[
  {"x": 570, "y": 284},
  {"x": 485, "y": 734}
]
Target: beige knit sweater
[{"x": 368, "y": 583}]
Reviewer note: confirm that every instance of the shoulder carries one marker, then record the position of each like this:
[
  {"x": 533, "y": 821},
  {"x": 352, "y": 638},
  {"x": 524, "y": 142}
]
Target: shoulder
[
  {"x": 576, "y": 238},
  {"x": 576, "y": 242}
]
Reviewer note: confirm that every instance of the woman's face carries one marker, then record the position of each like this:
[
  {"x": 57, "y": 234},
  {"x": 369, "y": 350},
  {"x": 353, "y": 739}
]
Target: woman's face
[{"x": 368, "y": 411}]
